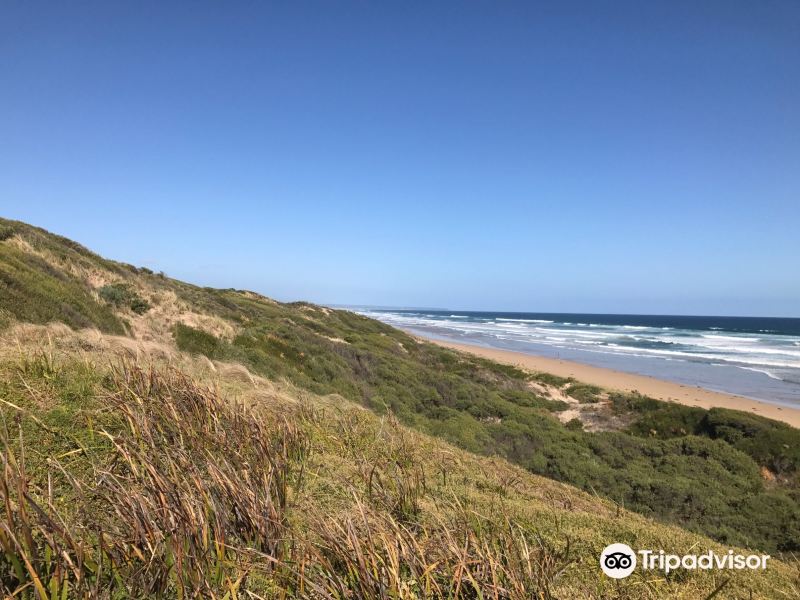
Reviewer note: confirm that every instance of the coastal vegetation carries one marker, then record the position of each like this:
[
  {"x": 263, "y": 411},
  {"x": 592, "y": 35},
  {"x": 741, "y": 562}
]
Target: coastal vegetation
[
  {"x": 723, "y": 474},
  {"x": 121, "y": 295},
  {"x": 177, "y": 478},
  {"x": 32, "y": 289},
  {"x": 700, "y": 469}
]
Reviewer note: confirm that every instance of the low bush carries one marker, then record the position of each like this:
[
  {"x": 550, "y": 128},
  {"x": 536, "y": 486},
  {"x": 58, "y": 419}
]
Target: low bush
[
  {"x": 584, "y": 393},
  {"x": 122, "y": 295},
  {"x": 197, "y": 341},
  {"x": 769, "y": 443},
  {"x": 550, "y": 379}
]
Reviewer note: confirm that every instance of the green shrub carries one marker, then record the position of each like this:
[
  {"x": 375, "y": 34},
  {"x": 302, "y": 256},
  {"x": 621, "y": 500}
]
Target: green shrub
[
  {"x": 122, "y": 295},
  {"x": 115, "y": 293},
  {"x": 197, "y": 341},
  {"x": 550, "y": 379},
  {"x": 584, "y": 393},
  {"x": 659, "y": 419},
  {"x": 770, "y": 443},
  {"x": 139, "y": 305},
  {"x": 574, "y": 424}
]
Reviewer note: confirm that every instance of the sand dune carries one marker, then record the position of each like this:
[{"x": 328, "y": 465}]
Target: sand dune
[{"x": 649, "y": 386}]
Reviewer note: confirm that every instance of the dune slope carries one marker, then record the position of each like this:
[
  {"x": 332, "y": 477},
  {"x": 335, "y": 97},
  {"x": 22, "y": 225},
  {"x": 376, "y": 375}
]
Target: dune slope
[{"x": 725, "y": 475}]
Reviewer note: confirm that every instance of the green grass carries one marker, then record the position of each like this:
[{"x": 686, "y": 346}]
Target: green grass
[
  {"x": 196, "y": 341},
  {"x": 93, "y": 506},
  {"x": 31, "y": 290}
]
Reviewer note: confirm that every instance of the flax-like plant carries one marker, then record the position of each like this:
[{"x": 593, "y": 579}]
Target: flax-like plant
[{"x": 188, "y": 499}]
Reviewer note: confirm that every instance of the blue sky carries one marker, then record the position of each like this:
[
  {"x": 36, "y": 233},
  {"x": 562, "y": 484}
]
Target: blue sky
[{"x": 566, "y": 156}]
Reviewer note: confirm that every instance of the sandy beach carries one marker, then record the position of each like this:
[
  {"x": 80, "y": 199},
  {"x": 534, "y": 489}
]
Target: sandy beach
[{"x": 617, "y": 380}]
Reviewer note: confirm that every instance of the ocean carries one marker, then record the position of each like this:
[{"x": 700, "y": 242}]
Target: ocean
[{"x": 753, "y": 357}]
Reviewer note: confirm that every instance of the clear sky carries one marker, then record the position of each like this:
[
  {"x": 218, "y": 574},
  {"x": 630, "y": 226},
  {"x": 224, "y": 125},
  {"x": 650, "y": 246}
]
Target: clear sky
[{"x": 561, "y": 156}]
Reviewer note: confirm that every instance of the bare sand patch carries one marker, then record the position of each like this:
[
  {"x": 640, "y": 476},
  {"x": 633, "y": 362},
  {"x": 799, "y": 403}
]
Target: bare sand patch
[{"x": 628, "y": 382}]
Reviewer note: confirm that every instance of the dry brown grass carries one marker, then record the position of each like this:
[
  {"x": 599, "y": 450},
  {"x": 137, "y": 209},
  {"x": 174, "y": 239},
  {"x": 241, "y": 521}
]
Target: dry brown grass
[
  {"x": 93, "y": 275},
  {"x": 167, "y": 310},
  {"x": 373, "y": 555}
]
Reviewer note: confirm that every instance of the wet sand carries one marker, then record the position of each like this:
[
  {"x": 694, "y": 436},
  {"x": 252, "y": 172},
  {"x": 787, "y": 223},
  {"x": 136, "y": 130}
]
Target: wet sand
[{"x": 617, "y": 380}]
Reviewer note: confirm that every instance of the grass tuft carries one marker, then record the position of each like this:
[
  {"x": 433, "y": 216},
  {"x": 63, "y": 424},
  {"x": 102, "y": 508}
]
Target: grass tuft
[
  {"x": 373, "y": 555},
  {"x": 194, "y": 521}
]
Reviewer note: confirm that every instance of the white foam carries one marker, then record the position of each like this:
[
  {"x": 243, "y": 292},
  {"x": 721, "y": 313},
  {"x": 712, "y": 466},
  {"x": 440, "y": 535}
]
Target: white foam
[
  {"x": 524, "y": 320},
  {"x": 760, "y": 353},
  {"x": 728, "y": 337},
  {"x": 769, "y": 374}
]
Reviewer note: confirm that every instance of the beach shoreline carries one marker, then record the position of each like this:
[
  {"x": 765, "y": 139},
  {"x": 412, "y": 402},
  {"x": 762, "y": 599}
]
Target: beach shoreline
[{"x": 628, "y": 382}]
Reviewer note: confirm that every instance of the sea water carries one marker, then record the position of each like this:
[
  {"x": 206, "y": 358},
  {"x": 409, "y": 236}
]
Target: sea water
[{"x": 750, "y": 356}]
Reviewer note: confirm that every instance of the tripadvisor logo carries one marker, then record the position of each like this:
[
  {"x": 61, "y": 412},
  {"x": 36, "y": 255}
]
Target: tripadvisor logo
[{"x": 619, "y": 561}]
